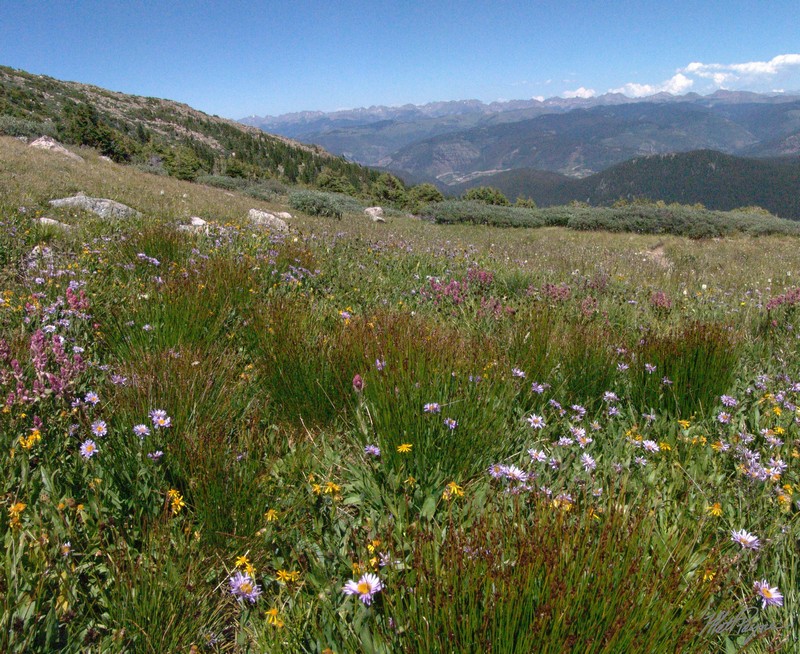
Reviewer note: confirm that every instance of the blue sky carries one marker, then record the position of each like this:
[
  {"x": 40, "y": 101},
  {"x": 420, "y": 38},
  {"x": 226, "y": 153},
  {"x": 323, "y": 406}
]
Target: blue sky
[{"x": 239, "y": 58}]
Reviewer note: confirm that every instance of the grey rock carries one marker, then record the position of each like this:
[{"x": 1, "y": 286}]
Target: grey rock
[
  {"x": 48, "y": 143},
  {"x": 101, "y": 206},
  {"x": 196, "y": 226},
  {"x": 284, "y": 215},
  {"x": 267, "y": 219},
  {"x": 375, "y": 213},
  {"x": 52, "y": 222}
]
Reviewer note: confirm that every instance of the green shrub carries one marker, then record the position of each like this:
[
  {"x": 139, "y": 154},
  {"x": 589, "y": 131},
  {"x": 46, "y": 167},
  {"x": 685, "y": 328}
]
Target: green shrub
[
  {"x": 317, "y": 203},
  {"x": 479, "y": 213},
  {"x": 12, "y": 126}
]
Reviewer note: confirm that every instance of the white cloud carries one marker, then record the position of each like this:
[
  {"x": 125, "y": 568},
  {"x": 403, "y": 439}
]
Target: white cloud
[
  {"x": 579, "y": 93},
  {"x": 676, "y": 85},
  {"x": 722, "y": 74},
  {"x": 539, "y": 98}
]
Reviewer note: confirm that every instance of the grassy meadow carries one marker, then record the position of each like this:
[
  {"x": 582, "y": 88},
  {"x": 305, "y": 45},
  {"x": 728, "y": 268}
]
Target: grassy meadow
[{"x": 400, "y": 437}]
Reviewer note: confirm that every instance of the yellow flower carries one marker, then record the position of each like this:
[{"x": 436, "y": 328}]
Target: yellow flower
[
  {"x": 666, "y": 447},
  {"x": 410, "y": 481},
  {"x": 331, "y": 488},
  {"x": 175, "y": 500},
  {"x": 404, "y": 448},
  {"x": 316, "y": 489},
  {"x": 684, "y": 424},
  {"x": 779, "y": 430},
  {"x": 717, "y": 446},
  {"x": 452, "y": 490},
  {"x": 271, "y": 515},
  {"x": 14, "y": 511},
  {"x": 273, "y": 619},
  {"x": 777, "y": 410},
  {"x": 242, "y": 561},
  {"x": 709, "y": 575},
  {"x": 715, "y": 509},
  {"x": 288, "y": 576}
]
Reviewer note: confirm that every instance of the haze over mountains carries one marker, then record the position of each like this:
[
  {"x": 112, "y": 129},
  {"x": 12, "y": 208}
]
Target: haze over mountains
[{"x": 453, "y": 143}]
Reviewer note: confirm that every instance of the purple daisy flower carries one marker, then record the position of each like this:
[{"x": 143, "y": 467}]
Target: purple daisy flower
[{"x": 365, "y": 588}]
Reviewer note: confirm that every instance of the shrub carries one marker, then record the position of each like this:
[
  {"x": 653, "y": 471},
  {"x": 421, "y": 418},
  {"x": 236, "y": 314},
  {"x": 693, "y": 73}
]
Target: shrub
[
  {"x": 487, "y": 195},
  {"x": 460, "y": 211}
]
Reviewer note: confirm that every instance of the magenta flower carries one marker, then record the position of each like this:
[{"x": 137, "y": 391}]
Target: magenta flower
[{"x": 358, "y": 383}]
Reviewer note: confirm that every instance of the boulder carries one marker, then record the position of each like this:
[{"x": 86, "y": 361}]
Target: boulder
[
  {"x": 48, "y": 143},
  {"x": 267, "y": 219},
  {"x": 101, "y": 206},
  {"x": 284, "y": 215},
  {"x": 52, "y": 222},
  {"x": 196, "y": 226},
  {"x": 375, "y": 213}
]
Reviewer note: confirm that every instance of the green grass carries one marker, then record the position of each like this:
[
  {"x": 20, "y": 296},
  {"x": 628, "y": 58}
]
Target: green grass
[{"x": 576, "y": 502}]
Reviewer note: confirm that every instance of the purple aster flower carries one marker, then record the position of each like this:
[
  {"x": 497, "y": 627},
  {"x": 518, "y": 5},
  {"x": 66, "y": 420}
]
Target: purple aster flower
[
  {"x": 724, "y": 417},
  {"x": 160, "y": 418},
  {"x": 537, "y": 422},
  {"x": 650, "y": 446},
  {"x": 374, "y": 450},
  {"x": 91, "y": 398},
  {"x": 141, "y": 431},
  {"x": 650, "y": 368},
  {"x": 155, "y": 456},
  {"x": 88, "y": 449},
  {"x": 450, "y": 423},
  {"x": 588, "y": 463},
  {"x": 432, "y": 407},
  {"x": 538, "y": 456},
  {"x": 770, "y": 596},
  {"x": 747, "y": 540},
  {"x": 728, "y": 401},
  {"x": 380, "y": 364},
  {"x": 243, "y": 587},
  {"x": 516, "y": 372},
  {"x": 99, "y": 428},
  {"x": 365, "y": 588}
]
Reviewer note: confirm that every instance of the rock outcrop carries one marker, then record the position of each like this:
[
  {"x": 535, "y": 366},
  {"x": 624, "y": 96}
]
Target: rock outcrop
[
  {"x": 48, "y": 143},
  {"x": 375, "y": 213},
  {"x": 267, "y": 219},
  {"x": 101, "y": 206}
]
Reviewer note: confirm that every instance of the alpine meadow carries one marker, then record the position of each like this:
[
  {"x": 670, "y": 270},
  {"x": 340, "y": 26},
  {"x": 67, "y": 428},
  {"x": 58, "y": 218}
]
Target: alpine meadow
[{"x": 255, "y": 397}]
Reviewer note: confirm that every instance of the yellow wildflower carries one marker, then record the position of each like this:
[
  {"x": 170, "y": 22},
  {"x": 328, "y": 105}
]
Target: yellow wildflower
[
  {"x": 715, "y": 509},
  {"x": 316, "y": 489},
  {"x": 452, "y": 490},
  {"x": 709, "y": 575},
  {"x": 777, "y": 410},
  {"x": 271, "y": 515},
  {"x": 778, "y": 430},
  {"x": 242, "y": 561},
  {"x": 410, "y": 481},
  {"x": 14, "y": 512},
  {"x": 273, "y": 619},
  {"x": 404, "y": 448},
  {"x": 175, "y": 500},
  {"x": 331, "y": 488},
  {"x": 666, "y": 447},
  {"x": 288, "y": 576},
  {"x": 684, "y": 424}
]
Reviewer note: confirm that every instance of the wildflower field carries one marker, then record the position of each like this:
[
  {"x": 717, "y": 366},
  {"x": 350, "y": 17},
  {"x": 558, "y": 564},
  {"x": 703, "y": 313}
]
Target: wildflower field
[{"x": 400, "y": 437}]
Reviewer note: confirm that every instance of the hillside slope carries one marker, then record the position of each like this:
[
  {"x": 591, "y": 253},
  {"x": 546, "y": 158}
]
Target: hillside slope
[
  {"x": 160, "y": 134},
  {"x": 714, "y": 179}
]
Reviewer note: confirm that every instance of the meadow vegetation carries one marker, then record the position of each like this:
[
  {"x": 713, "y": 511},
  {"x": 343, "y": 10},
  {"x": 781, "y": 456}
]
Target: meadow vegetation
[{"x": 404, "y": 437}]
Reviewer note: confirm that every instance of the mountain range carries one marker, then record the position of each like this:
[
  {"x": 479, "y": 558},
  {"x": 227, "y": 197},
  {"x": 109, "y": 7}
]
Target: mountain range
[{"x": 450, "y": 143}]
